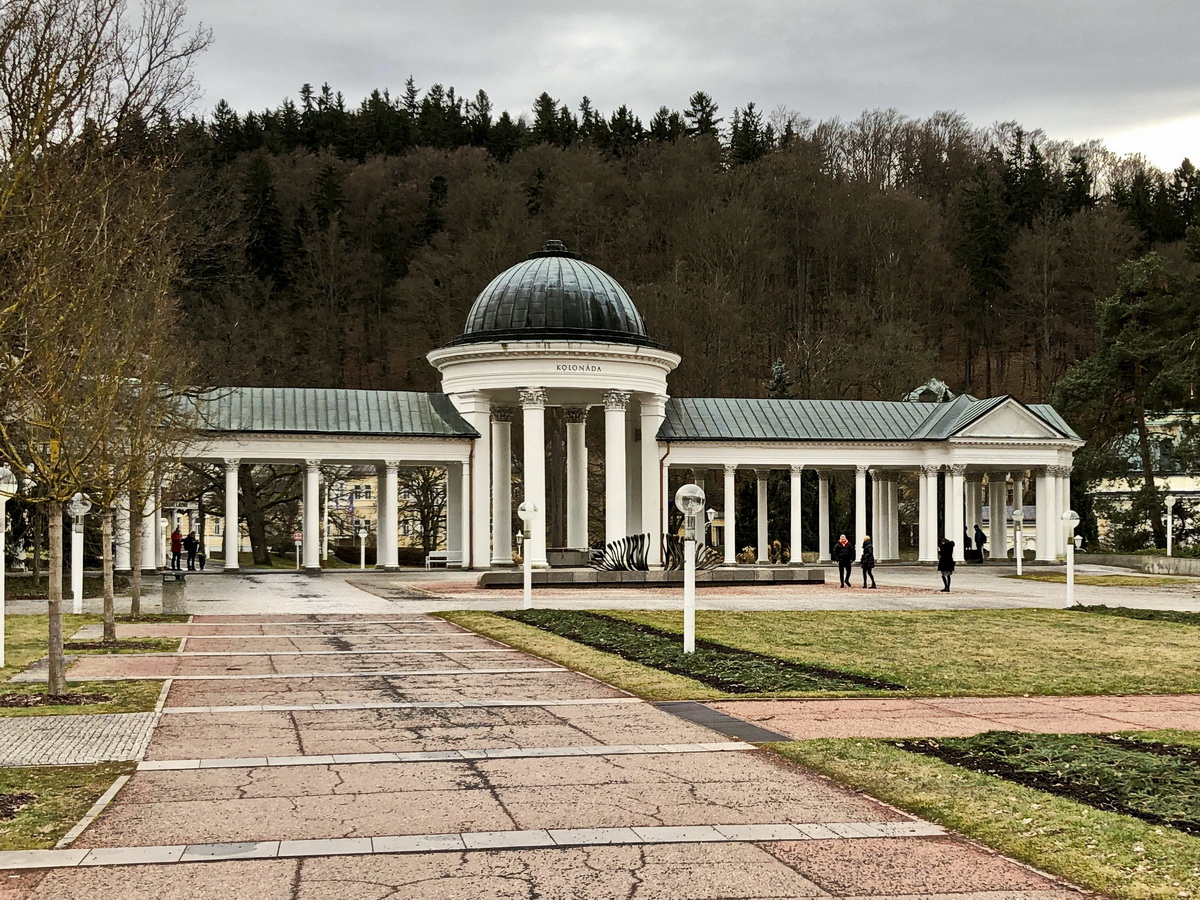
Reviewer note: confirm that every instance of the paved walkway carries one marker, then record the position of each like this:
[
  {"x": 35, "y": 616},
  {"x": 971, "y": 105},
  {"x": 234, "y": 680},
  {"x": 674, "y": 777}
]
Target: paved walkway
[
  {"x": 73, "y": 740},
  {"x": 965, "y": 716},
  {"x": 467, "y": 782}
]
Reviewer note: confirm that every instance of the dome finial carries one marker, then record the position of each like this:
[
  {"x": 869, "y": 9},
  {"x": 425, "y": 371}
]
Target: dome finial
[{"x": 554, "y": 248}]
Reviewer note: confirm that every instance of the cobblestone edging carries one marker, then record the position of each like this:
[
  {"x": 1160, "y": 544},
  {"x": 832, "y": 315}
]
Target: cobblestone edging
[{"x": 74, "y": 740}]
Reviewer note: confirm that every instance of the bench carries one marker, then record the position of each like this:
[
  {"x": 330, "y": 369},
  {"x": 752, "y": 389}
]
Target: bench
[{"x": 443, "y": 558}]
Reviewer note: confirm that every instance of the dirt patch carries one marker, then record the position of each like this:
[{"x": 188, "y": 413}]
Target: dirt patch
[
  {"x": 29, "y": 701},
  {"x": 11, "y": 804},
  {"x": 109, "y": 645}
]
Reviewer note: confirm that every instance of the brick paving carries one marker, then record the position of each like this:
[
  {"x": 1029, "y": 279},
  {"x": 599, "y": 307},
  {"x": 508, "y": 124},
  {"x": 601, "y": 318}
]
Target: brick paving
[{"x": 73, "y": 740}]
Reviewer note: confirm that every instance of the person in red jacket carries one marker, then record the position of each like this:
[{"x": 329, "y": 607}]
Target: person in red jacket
[{"x": 176, "y": 548}]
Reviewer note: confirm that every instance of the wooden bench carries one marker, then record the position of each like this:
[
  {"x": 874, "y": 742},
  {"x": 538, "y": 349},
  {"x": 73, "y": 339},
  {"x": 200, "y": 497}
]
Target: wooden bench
[{"x": 443, "y": 558}]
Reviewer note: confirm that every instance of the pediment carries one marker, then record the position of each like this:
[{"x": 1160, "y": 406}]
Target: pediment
[{"x": 1008, "y": 420}]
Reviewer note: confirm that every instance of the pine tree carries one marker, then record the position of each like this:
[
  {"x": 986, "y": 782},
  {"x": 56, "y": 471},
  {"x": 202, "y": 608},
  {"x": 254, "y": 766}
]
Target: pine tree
[
  {"x": 264, "y": 223},
  {"x": 701, "y": 114}
]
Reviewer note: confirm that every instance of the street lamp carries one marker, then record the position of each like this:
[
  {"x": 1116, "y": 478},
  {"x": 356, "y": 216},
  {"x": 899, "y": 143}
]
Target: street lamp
[
  {"x": 1170, "y": 521},
  {"x": 528, "y": 513},
  {"x": 689, "y": 500},
  {"x": 1018, "y": 537},
  {"x": 77, "y": 507},
  {"x": 8, "y": 489},
  {"x": 362, "y": 548},
  {"x": 1070, "y": 521}
]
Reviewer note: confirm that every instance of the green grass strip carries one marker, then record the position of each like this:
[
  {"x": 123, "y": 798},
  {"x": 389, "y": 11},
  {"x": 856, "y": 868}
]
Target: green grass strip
[
  {"x": 1146, "y": 615},
  {"x": 1153, "y": 782},
  {"x": 729, "y": 669}
]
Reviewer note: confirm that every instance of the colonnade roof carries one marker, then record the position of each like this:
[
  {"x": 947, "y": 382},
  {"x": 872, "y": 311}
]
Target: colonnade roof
[
  {"x": 721, "y": 419},
  {"x": 332, "y": 411}
]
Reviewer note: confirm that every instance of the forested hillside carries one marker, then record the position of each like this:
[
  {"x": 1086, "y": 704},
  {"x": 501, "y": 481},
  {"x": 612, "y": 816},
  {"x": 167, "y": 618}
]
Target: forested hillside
[{"x": 334, "y": 246}]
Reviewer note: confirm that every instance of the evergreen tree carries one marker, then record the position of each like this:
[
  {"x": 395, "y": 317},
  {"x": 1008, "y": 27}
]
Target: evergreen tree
[
  {"x": 327, "y": 196},
  {"x": 264, "y": 223},
  {"x": 701, "y": 114},
  {"x": 781, "y": 384}
]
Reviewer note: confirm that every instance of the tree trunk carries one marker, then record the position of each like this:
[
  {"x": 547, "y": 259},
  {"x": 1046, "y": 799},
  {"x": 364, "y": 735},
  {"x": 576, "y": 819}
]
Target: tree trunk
[
  {"x": 106, "y": 561},
  {"x": 57, "y": 677},
  {"x": 36, "y": 518},
  {"x": 256, "y": 521},
  {"x": 135, "y": 555},
  {"x": 1155, "y": 508}
]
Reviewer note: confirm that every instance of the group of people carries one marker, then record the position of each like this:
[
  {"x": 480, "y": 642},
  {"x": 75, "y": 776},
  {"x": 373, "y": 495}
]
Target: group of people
[
  {"x": 189, "y": 545},
  {"x": 843, "y": 555}
]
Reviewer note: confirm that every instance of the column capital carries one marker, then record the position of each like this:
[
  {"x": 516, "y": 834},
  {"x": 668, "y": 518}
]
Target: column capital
[
  {"x": 958, "y": 470},
  {"x": 930, "y": 471},
  {"x": 1001, "y": 477},
  {"x": 762, "y": 474},
  {"x": 822, "y": 475},
  {"x": 796, "y": 469},
  {"x": 730, "y": 469},
  {"x": 861, "y": 470},
  {"x": 575, "y": 414},
  {"x": 311, "y": 464},
  {"x": 974, "y": 478},
  {"x": 533, "y": 397},
  {"x": 614, "y": 399},
  {"x": 232, "y": 463},
  {"x": 391, "y": 464},
  {"x": 503, "y": 413}
]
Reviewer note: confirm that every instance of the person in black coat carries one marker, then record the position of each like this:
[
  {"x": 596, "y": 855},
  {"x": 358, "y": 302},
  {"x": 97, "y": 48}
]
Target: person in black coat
[
  {"x": 867, "y": 561},
  {"x": 945, "y": 563},
  {"x": 843, "y": 555},
  {"x": 980, "y": 540}
]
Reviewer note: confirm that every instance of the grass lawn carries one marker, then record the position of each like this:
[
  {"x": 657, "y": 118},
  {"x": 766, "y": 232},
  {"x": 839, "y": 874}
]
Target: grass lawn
[
  {"x": 936, "y": 653},
  {"x": 25, "y": 641},
  {"x": 63, "y": 794},
  {"x": 1121, "y": 856},
  {"x": 1107, "y": 580}
]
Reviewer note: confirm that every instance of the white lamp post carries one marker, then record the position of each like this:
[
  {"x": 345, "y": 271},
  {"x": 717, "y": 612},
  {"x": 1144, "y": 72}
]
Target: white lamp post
[
  {"x": 1070, "y": 521},
  {"x": 528, "y": 513},
  {"x": 1170, "y": 521},
  {"x": 78, "y": 507},
  {"x": 689, "y": 500},
  {"x": 362, "y": 548},
  {"x": 8, "y": 488},
  {"x": 1018, "y": 537}
]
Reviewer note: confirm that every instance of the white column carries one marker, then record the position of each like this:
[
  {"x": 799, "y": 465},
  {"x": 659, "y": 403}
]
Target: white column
[
  {"x": 454, "y": 523},
  {"x": 955, "y": 501},
  {"x": 998, "y": 510},
  {"x": 533, "y": 420},
  {"x": 152, "y": 545},
  {"x": 653, "y": 412},
  {"x": 860, "y": 510},
  {"x": 876, "y": 528},
  {"x": 974, "y": 502},
  {"x": 1046, "y": 505},
  {"x": 389, "y": 513},
  {"x": 502, "y": 530},
  {"x": 797, "y": 516},
  {"x": 730, "y": 513},
  {"x": 764, "y": 550},
  {"x": 823, "y": 545},
  {"x": 1018, "y": 488},
  {"x": 381, "y": 517},
  {"x": 925, "y": 512},
  {"x": 614, "y": 465},
  {"x": 312, "y": 515},
  {"x": 476, "y": 409},
  {"x": 1064, "y": 501},
  {"x": 467, "y": 473},
  {"x": 893, "y": 518},
  {"x": 232, "y": 531},
  {"x": 577, "y": 486},
  {"x": 121, "y": 533}
]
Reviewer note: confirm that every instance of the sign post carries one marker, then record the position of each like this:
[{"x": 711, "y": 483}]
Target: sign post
[
  {"x": 298, "y": 537},
  {"x": 689, "y": 500},
  {"x": 77, "y": 508},
  {"x": 528, "y": 513}
]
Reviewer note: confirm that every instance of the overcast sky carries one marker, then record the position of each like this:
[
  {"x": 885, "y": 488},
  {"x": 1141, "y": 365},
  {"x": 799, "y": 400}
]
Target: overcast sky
[{"x": 1118, "y": 70}]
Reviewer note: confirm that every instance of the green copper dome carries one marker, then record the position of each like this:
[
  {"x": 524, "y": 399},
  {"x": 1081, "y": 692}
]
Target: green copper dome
[{"x": 554, "y": 295}]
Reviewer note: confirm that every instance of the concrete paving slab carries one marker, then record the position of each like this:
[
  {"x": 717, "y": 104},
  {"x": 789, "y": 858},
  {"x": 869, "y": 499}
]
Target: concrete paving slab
[
  {"x": 243, "y": 879},
  {"x": 134, "y": 856},
  {"x": 326, "y": 847},
  {"x": 655, "y": 872},
  {"x": 246, "y": 850},
  {"x": 905, "y": 866},
  {"x": 418, "y": 843}
]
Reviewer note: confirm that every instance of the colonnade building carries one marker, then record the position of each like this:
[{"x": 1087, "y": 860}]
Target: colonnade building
[{"x": 555, "y": 331}]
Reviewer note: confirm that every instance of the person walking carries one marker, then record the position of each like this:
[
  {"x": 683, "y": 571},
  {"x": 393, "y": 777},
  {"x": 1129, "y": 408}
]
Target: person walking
[
  {"x": 191, "y": 544},
  {"x": 867, "y": 561},
  {"x": 980, "y": 540},
  {"x": 176, "y": 547},
  {"x": 945, "y": 563},
  {"x": 843, "y": 555}
]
